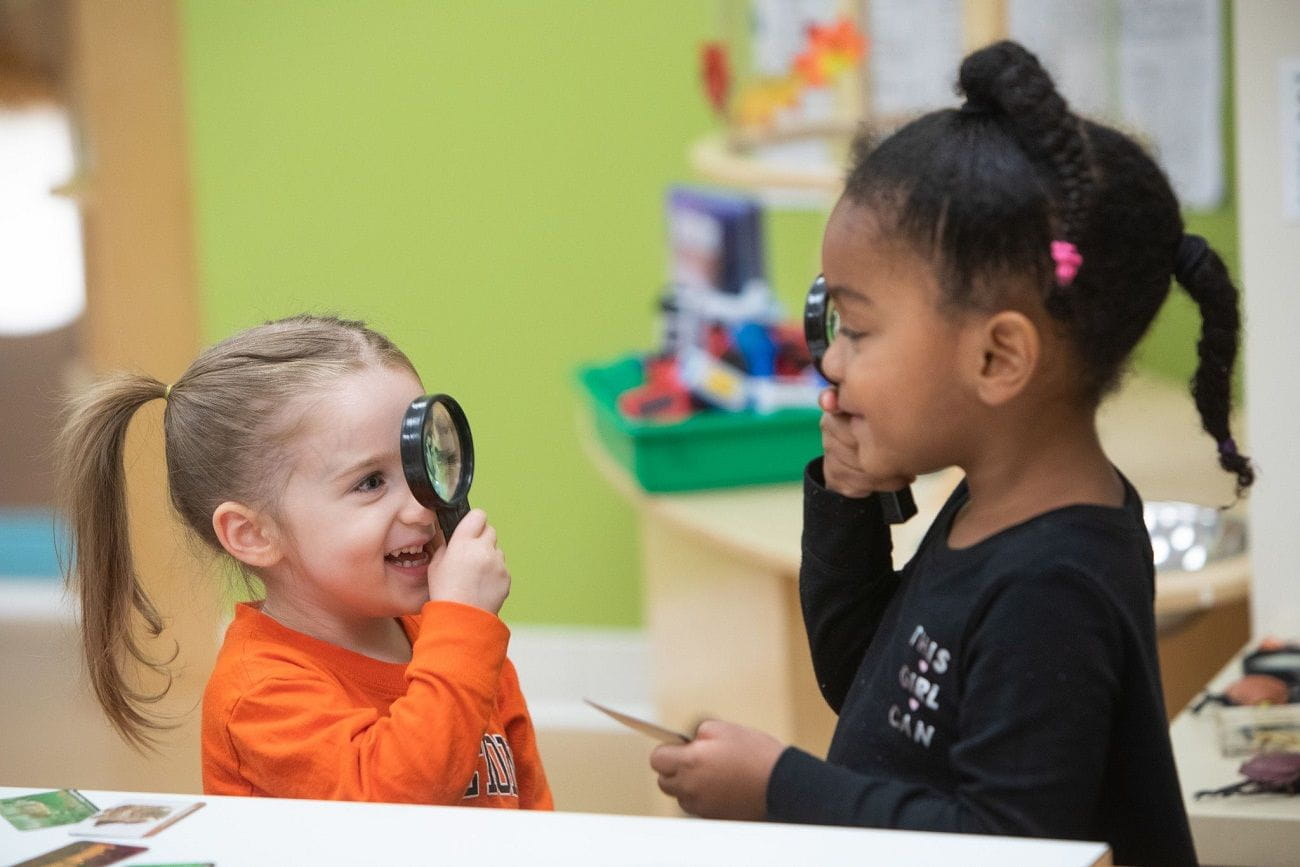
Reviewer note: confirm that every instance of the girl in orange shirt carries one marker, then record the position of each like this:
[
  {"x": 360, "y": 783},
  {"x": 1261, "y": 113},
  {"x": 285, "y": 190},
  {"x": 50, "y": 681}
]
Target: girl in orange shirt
[{"x": 375, "y": 667}]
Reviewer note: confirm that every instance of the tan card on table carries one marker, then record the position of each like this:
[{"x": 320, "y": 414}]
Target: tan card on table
[
  {"x": 658, "y": 732},
  {"x": 139, "y": 817}
]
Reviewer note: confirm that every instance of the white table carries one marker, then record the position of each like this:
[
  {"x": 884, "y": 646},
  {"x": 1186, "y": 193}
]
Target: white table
[
  {"x": 237, "y": 831},
  {"x": 1248, "y": 829}
]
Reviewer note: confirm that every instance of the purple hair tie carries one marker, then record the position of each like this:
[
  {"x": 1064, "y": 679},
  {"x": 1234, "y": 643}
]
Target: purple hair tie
[
  {"x": 1227, "y": 447},
  {"x": 1068, "y": 261}
]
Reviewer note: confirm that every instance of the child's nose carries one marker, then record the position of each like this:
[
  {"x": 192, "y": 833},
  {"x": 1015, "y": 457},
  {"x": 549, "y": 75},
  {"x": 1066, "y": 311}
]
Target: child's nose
[
  {"x": 415, "y": 512},
  {"x": 833, "y": 361}
]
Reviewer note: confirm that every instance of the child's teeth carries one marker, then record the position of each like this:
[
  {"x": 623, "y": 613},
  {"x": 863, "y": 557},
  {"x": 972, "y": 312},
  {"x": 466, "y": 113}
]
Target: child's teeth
[{"x": 413, "y": 555}]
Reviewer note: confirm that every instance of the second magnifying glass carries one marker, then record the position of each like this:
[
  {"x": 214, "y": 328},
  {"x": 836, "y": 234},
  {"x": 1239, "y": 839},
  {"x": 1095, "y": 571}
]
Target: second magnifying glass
[
  {"x": 820, "y": 323},
  {"x": 438, "y": 457}
]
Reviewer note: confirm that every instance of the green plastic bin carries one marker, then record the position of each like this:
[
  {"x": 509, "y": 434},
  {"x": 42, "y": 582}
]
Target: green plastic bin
[{"x": 711, "y": 449}]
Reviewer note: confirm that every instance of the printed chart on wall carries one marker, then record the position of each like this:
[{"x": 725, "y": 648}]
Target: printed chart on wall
[
  {"x": 1156, "y": 68},
  {"x": 1288, "y": 103}
]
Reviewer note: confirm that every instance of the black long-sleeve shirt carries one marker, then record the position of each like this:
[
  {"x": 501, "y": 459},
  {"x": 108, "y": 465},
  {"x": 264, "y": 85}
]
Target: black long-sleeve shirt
[{"x": 1010, "y": 687}]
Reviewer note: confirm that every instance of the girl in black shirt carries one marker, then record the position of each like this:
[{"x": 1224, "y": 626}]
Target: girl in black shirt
[{"x": 992, "y": 267}]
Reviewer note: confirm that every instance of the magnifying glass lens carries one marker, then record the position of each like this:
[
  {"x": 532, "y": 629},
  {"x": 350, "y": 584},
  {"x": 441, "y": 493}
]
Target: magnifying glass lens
[
  {"x": 442, "y": 454},
  {"x": 832, "y": 323},
  {"x": 438, "y": 457}
]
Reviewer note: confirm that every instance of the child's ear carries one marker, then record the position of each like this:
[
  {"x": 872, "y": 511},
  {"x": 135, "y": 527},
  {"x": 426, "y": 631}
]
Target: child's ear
[
  {"x": 247, "y": 535},
  {"x": 1010, "y": 348}
]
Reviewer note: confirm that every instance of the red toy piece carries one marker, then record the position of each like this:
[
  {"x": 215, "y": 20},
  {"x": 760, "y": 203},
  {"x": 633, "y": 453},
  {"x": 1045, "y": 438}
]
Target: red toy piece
[
  {"x": 663, "y": 398},
  {"x": 716, "y": 73}
]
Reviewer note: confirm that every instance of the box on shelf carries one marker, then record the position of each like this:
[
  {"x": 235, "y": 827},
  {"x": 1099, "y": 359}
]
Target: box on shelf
[{"x": 711, "y": 449}]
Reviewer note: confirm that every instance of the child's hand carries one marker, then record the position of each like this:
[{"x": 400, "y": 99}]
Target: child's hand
[
  {"x": 722, "y": 774},
  {"x": 470, "y": 568},
  {"x": 841, "y": 466}
]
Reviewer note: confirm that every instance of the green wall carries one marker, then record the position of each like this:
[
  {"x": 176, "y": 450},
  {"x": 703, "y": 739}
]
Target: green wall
[{"x": 482, "y": 181}]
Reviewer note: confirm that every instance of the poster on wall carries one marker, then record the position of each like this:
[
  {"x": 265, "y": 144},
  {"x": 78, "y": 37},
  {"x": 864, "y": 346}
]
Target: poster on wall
[
  {"x": 1171, "y": 90},
  {"x": 1072, "y": 39},
  {"x": 1288, "y": 90},
  {"x": 778, "y": 28},
  {"x": 1155, "y": 67},
  {"x": 916, "y": 49}
]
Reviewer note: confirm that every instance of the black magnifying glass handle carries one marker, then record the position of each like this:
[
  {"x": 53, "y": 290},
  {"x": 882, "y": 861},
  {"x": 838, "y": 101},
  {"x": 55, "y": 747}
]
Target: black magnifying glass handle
[
  {"x": 819, "y": 326},
  {"x": 898, "y": 506},
  {"x": 449, "y": 517}
]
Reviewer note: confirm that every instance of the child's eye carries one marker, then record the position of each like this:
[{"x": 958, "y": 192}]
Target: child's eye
[
  {"x": 835, "y": 327},
  {"x": 372, "y": 482}
]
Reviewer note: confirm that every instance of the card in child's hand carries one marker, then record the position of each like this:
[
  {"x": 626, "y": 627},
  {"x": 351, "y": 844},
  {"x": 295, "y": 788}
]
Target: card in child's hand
[
  {"x": 46, "y": 809},
  {"x": 139, "y": 817},
  {"x": 83, "y": 853},
  {"x": 658, "y": 732}
]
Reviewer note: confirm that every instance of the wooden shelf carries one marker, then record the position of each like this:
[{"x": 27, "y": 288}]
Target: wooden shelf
[{"x": 715, "y": 158}]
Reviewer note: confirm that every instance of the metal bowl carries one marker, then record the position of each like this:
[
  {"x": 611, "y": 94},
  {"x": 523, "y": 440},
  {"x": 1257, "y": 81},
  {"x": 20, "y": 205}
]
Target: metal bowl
[{"x": 1186, "y": 537}]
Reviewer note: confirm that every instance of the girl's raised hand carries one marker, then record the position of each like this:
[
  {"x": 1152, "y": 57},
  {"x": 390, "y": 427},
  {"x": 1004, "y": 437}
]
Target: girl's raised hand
[
  {"x": 841, "y": 466},
  {"x": 470, "y": 568},
  {"x": 722, "y": 773}
]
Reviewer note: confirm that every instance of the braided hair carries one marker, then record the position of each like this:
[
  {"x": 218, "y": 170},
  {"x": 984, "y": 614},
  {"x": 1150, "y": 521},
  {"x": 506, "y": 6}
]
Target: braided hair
[{"x": 991, "y": 190}]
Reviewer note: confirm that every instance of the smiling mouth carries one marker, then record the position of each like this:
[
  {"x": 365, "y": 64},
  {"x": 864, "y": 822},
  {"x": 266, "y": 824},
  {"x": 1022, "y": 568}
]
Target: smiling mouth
[{"x": 412, "y": 557}]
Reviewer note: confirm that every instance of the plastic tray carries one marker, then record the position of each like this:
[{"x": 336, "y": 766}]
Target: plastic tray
[
  {"x": 1244, "y": 731},
  {"x": 711, "y": 449}
]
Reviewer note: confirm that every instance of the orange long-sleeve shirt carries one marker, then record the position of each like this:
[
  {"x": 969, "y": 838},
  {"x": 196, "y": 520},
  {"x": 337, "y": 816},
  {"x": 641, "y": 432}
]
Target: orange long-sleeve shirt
[{"x": 287, "y": 715}]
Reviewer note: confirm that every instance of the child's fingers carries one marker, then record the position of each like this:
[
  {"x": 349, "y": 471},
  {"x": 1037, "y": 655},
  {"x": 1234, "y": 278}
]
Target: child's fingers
[
  {"x": 678, "y": 788},
  {"x": 839, "y": 437},
  {"x": 837, "y": 424},
  {"x": 842, "y": 463},
  {"x": 838, "y": 433},
  {"x": 667, "y": 759},
  {"x": 710, "y": 728},
  {"x": 439, "y": 554},
  {"x": 471, "y": 526}
]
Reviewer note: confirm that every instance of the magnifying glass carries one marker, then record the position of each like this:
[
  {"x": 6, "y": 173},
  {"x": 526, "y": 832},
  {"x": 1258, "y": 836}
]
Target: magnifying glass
[
  {"x": 821, "y": 321},
  {"x": 438, "y": 457}
]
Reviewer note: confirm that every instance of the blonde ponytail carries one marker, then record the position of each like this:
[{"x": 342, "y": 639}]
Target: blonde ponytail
[{"x": 102, "y": 572}]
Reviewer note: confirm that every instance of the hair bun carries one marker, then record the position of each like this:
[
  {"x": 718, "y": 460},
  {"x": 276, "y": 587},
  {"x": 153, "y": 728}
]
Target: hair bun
[
  {"x": 1006, "y": 77},
  {"x": 1009, "y": 78}
]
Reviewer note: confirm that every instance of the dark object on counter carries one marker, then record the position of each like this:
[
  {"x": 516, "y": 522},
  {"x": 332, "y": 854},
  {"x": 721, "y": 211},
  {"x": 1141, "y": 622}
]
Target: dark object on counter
[
  {"x": 1257, "y": 689},
  {"x": 1277, "y": 660},
  {"x": 1252, "y": 689},
  {"x": 1266, "y": 772},
  {"x": 1270, "y": 675}
]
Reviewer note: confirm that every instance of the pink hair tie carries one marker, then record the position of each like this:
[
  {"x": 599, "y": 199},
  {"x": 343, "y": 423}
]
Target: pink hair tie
[{"x": 1067, "y": 259}]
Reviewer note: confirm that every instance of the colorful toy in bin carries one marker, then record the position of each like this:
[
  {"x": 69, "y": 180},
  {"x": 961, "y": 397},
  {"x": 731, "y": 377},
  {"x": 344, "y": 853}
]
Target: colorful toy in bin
[
  {"x": 725, "y": 345},
  {"x": 709, "y": 449},
  {"x": 663, "y": 397},
  {"x": 729, "y": 397}
]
